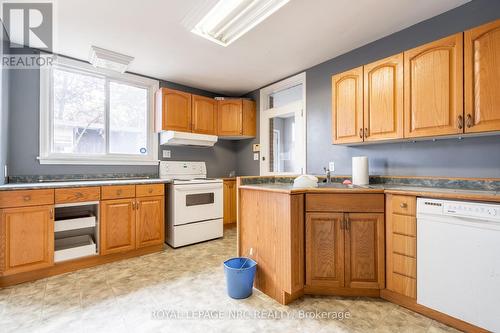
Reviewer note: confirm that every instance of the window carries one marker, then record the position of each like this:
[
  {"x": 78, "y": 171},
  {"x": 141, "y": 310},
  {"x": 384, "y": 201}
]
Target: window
[
  {"x": 92, "y": 116},
  {"x": 283, "y": 127}
]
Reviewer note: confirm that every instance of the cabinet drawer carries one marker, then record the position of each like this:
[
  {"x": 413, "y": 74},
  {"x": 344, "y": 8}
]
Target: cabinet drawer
[
  {"x": 26, "y": 198},
  {"x": 405, "y": 205},
  {"x": 117, "y": 192},
  {"x": 356, "y": 202},
  {"x": 149, "y": 190},
  {"x": 80, "y": 194},
  {"x": 405, "y": 225},
  {"x": 404, "y": 285},
  {"x": 404, "y": 265},
  {"x": 404, "y": 245}
]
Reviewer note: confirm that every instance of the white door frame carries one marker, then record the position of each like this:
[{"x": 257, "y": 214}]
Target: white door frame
[{"x": 266, "y": 113}]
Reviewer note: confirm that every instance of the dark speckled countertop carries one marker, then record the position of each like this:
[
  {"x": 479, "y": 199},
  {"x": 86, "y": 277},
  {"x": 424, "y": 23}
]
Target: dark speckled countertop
[
  {"x": 84, "y": 183},
  {"x": 481, "y": 194}
]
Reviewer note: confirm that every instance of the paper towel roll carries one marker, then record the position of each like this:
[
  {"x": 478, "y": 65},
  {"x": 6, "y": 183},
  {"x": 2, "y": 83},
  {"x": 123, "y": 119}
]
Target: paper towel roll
[{"x": 360, "y": 170}]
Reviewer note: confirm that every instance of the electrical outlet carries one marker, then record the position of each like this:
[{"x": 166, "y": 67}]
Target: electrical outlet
[
  {"x": 166, "y": 154},
  {"x": 331, "y": 166},
  {"x": 255, "y": 156}
]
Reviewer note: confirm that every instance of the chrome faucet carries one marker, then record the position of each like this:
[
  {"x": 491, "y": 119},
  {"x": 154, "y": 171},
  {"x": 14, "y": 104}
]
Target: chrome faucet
[{"x": 328, "y": 175}]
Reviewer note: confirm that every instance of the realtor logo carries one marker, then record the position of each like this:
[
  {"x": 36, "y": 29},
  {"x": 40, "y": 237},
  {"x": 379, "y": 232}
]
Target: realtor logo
[{"x": 29, "y": 25}]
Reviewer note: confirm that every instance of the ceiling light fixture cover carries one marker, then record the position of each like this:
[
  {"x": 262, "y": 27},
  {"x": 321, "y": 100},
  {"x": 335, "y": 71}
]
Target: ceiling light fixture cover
[
  {"x": 228, "y": 20},
  {"x": 107, "y": 59}
]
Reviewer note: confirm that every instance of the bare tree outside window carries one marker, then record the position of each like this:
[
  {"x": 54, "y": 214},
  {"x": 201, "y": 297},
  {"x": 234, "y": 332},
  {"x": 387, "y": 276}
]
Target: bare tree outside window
[{"x": 79, "y": 115}]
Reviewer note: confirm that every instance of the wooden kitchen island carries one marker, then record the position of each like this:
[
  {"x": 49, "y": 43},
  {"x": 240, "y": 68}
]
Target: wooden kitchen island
[{"x": 328, "y": 241}]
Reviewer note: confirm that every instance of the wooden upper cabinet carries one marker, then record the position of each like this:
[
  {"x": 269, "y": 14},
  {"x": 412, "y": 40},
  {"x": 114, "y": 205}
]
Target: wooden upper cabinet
[
  {"x": 383, "y": 99},
  {"x": 347, "y": 106},
  {"x": 237, "y": 118},
  {"x": 117, "y": 230},
  {"x": 364, "y": 250},
  {"x": 150, "y": 228},
  {"x": 433, "y": 88},
  {"x": 324, "y": 250},
  {"x": 26, "y": 239},
  {"x": 204, "y": 115},
  {"x": 230, "y": 117},
  {"x": 173, "y": 110},
  {"x": 249, "y": 120},
  {"x": 482, "y": 78}
]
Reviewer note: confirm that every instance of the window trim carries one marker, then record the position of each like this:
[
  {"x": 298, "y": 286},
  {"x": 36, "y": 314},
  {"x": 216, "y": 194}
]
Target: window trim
[
  {"x": 46, "y": 119},
  {"x": 266, "y": 112}
]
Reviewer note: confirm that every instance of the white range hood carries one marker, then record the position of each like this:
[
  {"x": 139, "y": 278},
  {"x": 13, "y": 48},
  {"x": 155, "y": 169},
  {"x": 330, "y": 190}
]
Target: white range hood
[{"x": 174, "y": 138}]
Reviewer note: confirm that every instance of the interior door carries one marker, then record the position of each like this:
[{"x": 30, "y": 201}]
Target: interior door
[
  {"x": 347, "y": 106},
  {"x": 204, "y": 115},
  {"x": 117, "y": 226},
  {"x": 150, "y": 228},
  {"x": 433, "y": 88},
  {"x": 364, "y": 250},
  {"x": 482, "y": 78},
  {"x": 230, "y": 117},
  {"x": 27, "y": 238},
  {"x": 324, "y": 250},
  {"x": 176, "y": 110},
  {"x": 383, "y": 99}
]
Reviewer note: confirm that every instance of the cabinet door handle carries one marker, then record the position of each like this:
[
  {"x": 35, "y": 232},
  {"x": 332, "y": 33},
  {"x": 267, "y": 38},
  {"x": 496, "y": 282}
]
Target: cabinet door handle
[
  {"x": 51, "y": 213},
  {"x": 119, "y": 192},
  {"x": 469, "y": 121},
  {"x": 361, "y": 133},
  {"x": 460, "y": 122},
  {"x": 366, "y": 132},
  {"x": 347, "y": 224},
  {"x": 403, "y": 205},
  {"x": 27, "y": 198}
]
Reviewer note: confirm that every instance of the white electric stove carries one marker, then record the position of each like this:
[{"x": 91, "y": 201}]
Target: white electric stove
[{"x": 195, "y": 203}]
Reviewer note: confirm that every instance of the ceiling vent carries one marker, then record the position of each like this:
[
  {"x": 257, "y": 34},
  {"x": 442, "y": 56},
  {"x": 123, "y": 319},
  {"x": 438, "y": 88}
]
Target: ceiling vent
[{"x": 102, "y": 58}]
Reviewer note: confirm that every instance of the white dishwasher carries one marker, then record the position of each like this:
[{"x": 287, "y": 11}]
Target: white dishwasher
[{"x": 458, "y": 260}]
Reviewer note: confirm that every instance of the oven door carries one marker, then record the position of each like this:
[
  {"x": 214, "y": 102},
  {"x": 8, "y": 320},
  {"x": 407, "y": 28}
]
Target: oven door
[{"x": 197, "y": 202}]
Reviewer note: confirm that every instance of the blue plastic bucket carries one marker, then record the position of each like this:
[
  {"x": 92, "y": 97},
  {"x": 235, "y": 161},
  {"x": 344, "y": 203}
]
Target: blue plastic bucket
[{"x": 239, "y": 277}]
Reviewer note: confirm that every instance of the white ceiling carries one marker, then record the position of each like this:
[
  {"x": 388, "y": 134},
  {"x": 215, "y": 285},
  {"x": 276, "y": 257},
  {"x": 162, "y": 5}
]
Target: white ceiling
[{"x": 301, "y": 34}]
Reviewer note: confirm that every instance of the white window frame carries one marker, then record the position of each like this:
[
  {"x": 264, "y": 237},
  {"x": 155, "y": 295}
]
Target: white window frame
[
  {"x": 266, "y": 113},
  {"x": 46, "y": 118}
]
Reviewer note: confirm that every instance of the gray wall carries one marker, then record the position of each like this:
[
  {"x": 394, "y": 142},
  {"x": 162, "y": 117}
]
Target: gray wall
[
  {"x": 4, "y": 107},
  {"x": 23, "y": 137},
  {"x": 470, "y": 157}
]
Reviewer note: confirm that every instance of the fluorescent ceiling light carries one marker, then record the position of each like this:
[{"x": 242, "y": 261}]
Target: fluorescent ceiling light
[
  {"x": 228, "y": 20},
  {"x": 107, "y": 59}
]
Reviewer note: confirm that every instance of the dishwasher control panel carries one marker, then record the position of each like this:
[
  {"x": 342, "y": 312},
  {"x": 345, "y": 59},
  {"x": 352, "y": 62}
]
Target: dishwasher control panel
[{"x": 459, "y": 208}]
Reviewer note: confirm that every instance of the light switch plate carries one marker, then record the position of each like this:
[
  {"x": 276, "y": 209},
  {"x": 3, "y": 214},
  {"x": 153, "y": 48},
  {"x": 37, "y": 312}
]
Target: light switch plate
[
  {"x": 255, "y": 156},
  {"x": 256, "y": 147},
  {"x": 331, "y": 166},
  {"x": 166, "y": 154}
]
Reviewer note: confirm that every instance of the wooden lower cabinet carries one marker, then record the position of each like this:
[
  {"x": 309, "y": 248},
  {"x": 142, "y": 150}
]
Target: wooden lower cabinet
[
  {"x": 229, "y": 201},
  {"x": 150, "y": 226},
  {"x": 344, "y": 251},
  {"x": 364, "y": 250},
  {"x": 117, "y": 226},
  {"x": 401, "y": 245},
  {"x": 127, "y": 224},
  {"x": 325, "y": 249},
  {"x": 26, "y": 239}
]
